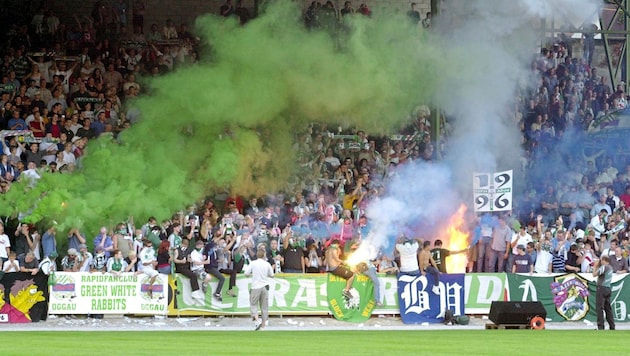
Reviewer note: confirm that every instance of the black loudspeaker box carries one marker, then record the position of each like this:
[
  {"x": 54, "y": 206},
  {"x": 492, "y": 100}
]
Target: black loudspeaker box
[{"x": 515, "y": 312}]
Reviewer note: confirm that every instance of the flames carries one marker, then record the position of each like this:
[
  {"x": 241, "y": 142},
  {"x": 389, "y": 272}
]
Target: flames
[{"x": 455, "y": 238}]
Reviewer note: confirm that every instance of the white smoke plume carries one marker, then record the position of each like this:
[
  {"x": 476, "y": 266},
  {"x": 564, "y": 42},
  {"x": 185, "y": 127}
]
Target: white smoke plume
[{"x": 490, "y": 45}]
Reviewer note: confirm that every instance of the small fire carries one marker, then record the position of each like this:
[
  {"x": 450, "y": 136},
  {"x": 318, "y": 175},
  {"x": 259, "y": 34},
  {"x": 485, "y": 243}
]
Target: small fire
[
  {"x": 457, "y": 238},
  {"x": 361, "y": 254}
]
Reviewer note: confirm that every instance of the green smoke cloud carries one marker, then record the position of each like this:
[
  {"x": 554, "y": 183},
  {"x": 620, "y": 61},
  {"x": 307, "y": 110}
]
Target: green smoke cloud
[{"x": 228, "y": 123}]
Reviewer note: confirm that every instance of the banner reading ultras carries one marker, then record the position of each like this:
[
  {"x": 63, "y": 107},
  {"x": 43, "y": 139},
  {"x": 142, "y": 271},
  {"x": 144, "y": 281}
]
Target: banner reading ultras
[
  {"x": 97, "y": 293},
  {"x": 289, "y": 294},
  {"x": 492, "y": 191}
]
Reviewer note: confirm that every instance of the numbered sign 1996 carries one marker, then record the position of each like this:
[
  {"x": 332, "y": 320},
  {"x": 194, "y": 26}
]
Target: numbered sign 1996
[{"x": 492, "y": 191}]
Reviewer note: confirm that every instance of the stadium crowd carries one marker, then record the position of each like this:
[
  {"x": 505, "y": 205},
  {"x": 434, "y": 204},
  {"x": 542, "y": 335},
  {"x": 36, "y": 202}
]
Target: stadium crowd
[{"x": 67, "y": 81}]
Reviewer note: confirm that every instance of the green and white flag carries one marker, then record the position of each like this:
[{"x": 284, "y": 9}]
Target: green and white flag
[{"x": 356, "y": 309}]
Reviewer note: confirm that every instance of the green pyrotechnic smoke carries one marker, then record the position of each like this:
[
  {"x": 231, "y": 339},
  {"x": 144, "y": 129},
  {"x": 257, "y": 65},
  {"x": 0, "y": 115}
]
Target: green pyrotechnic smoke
[{"x": 228, "y": 124}]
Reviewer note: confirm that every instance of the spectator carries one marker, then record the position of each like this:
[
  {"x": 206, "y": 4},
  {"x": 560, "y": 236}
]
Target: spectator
[
  {"x": 117, "y": 264},
  {"x": 227, "y": 9},
  {"x": 293, "y": 254},
  {"x": 5, "y": 245},
  {"x": 440, "y": 254},
  {"x": 197, "y": 263},
  {"x": 113, "y": 78},
  {"x": 104, "y": 240},
  {"x": 16, "y": 122},
  {"x": 522, "y": 261},
  {"x": 544, "y": 258},
  {"x": 169, "y": 31},
  {"x": 164, "y": 258},
  {"x": 500, "y": 247},
  {"x": 260, "y": 271},
  {"x": 31, "y": 264},
  {"x": 12, "y": 264},
  {"x": 86, "y": 259},
  {"x": 122, "y": 240},
  {"x": 139, "y": 8},
  {"x": 427, "y": 265},
  {"x": 181, "y": 258},
  {"x": 336, "y": 267},
  {"x": 242, "y": 12},
  {"x": 71, "y": 262},
  {"x": 49, "y": 242},
  {"x": 148, "y": 262},
  {"x": 36, "y": 123},
  {"x": 23, "y": 241},
  {"x": 414, "y": 15}
]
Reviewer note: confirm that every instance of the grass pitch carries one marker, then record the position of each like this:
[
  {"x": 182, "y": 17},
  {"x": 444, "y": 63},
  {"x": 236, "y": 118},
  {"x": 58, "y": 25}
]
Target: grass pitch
[{"x": 329, "y": 342}]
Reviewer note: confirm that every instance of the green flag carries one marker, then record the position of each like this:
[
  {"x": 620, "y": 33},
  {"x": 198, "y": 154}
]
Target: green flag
[{"x": 356, "y": 309}]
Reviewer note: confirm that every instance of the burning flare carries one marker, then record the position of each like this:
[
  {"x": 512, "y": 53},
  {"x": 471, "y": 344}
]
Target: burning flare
[{"x": 456, "y": 239}]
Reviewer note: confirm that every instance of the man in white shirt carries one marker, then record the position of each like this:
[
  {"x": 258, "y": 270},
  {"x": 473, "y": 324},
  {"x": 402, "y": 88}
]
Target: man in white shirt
[
  {"x": 598, "y": 222},
  {"x": 5, "y": 245},
  {"x": 260, "y": 271},
  {"x": 48, "y": 265},
  {"x": 519, "y": 238},
  {"x": 12, "y": 264},
  {"x": 544, "y": 258},
  {"x": 197, "y": 263},
  {"x": 408, "y": 250},
  {"x": 148, "y": 261}
]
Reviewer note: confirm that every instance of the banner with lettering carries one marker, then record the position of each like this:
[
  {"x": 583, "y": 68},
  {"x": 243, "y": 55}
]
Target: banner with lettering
[
  {"x": 418, "y": 303},
  {"x": 569, "y": 297},
  {"x": 482, "y": 289},
  {"x": 356, "y": 308},
  {"x": 289, "y": 294},
  {"x": 492, "y": 191},
  {"x": 23, "y": 297},
  {"x": 97, "y": 293}
]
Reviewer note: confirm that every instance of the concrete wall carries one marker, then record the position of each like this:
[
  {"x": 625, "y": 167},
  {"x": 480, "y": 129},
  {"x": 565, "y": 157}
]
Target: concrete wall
[{"x": 185, "y": 11}]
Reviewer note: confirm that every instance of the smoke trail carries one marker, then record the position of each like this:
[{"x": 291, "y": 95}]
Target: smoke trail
[
  {"x": 227, "y": 124},
  {"x": 489, "y": 45}
]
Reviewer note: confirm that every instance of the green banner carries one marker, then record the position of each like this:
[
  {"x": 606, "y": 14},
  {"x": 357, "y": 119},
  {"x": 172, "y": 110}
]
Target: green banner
[
  {"x": 356, "y": 309},
  {"x": 289, "y": 294},
  {"x": 569, "y": 297},
  {"x": 481, "y": 289}
]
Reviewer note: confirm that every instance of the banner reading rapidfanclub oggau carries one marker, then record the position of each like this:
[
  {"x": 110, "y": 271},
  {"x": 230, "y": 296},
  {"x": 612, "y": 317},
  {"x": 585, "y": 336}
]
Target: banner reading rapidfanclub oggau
[
  {"x": 569, "y": 297},
  {"x": 98, "y": 293},
  {"x": 418, "y": 303}
]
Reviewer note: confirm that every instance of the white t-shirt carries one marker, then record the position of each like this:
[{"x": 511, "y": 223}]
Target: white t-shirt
[
  {"x": 520, "y": 240},
  {"x": 261, "y": 272},
  {"x": 4, "y": 243},
  {"x": 147, "y": 255},
  {"x": 11, "y": 268},
  {"x": 408, "y": 256},
  {"x": 587, "y": 260},
  {"x": 85, "y": 266},
  {"x": 543, "y": 259},
  {"x": 47, "y": 266},
  {"x": 195, "y": 256}
]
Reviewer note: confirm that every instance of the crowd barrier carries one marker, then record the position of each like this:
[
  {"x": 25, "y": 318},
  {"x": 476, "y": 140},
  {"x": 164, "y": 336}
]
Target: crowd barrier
[{"x": 566, "y": 297}]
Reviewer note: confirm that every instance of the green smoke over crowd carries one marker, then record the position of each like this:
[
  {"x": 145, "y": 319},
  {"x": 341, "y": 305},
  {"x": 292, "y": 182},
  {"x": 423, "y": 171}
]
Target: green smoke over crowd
[{"x": 228, "y": 123}]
